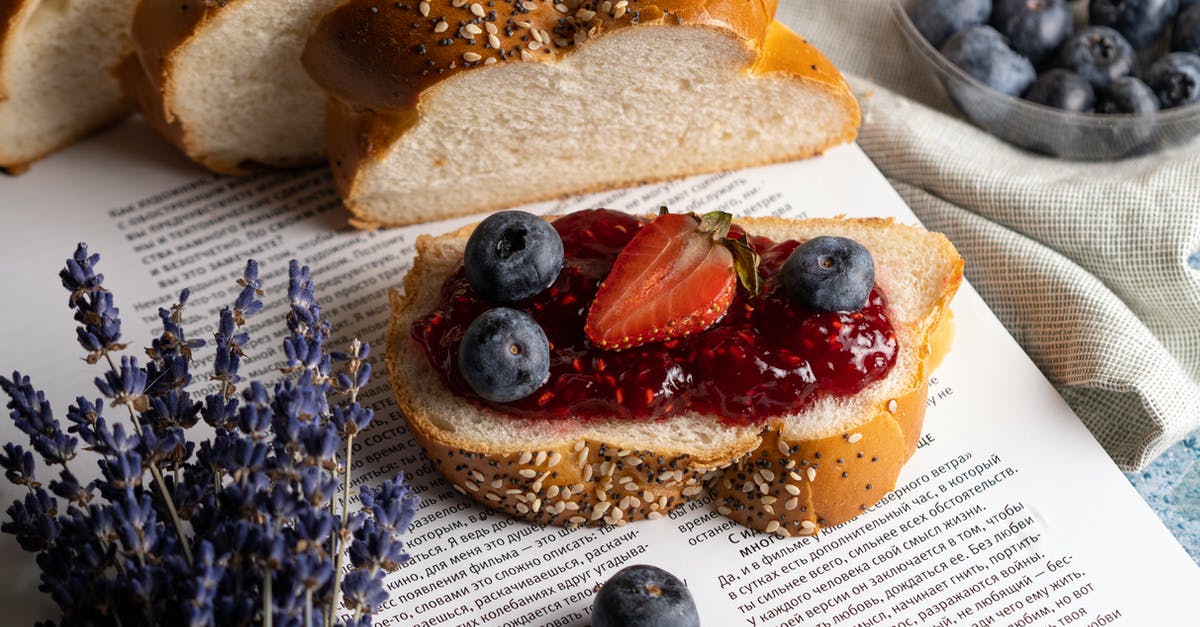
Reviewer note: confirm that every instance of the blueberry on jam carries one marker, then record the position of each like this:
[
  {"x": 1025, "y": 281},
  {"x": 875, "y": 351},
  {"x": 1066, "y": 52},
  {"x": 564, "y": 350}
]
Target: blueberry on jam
[{"x": 765, "y": 357}]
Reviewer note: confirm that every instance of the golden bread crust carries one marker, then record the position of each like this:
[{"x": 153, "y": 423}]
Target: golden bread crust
[{"x": 767, "y": 480}]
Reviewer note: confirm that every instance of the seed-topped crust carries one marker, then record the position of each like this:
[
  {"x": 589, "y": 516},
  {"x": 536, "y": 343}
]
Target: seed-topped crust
[
  {"x": 767, "y": 478},
  {"x": 383, "y": 55}
]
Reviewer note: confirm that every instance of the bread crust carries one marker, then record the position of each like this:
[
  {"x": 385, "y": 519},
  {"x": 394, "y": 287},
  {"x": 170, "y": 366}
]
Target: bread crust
[
  {"x": 385, "y": 59},
  {"x": 769, "y": 479},
  {"x": 14, "y": 14},
  {"x": 362, "y": 124},
  {"x": 161, "y": 30}
]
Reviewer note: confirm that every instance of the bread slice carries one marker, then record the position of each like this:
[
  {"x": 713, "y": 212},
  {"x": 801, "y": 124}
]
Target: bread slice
[
  {"x": 223, "y": 81},
  {"x": 445, "y": 108},
  {"x": 790, "y": 475},
  {"x": 56, "y": 73}
]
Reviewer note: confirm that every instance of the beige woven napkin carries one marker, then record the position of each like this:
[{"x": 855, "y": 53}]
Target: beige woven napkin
[{"x": 1093, "y": 268}]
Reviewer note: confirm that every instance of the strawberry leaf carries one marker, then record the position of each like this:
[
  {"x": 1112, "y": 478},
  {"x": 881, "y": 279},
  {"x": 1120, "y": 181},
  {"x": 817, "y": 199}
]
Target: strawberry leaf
[{"x": 745, "y": 263}]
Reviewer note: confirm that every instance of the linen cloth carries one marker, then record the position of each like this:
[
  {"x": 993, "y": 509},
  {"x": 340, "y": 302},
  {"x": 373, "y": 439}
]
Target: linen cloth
[{"x": 1094, "y": 268}]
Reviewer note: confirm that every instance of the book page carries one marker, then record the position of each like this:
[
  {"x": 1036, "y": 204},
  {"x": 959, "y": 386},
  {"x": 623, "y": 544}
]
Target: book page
[{"x": 1008, "y": 514}]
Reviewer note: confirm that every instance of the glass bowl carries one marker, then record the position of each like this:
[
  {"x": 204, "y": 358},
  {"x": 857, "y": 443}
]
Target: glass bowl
[{"x": 1046, "y": 130}]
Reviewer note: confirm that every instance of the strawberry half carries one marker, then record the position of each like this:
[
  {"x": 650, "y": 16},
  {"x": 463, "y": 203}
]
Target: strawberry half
[{"x": 676, "y": 277}]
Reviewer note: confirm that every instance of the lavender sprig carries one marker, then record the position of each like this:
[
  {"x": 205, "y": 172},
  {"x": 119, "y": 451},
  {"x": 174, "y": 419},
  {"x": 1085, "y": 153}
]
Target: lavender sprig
[{"x": 256, "y": 504}]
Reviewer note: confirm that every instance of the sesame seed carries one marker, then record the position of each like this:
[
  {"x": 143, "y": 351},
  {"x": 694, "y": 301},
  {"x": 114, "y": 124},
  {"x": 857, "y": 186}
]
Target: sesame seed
[
  {"x": 724, "y": 511},
  {"x": 490, "y": 27},
  {"x": 619, "y": 12},
  {"x": 471, "y": 486},
  {"x": 795, "y": 476},
  {"x": 528, "y": 6},
  {"x": 634, "y": 461},
  {"x": 623, "y": 503},
  {"x": 553, "y": 460},
  {"x": 792, "y": 489},
  {"x": 693, "y": 490},
  {"x": 459, "y": 488},
  {"x": 441, "y": 27},
  {"x": 522, "y": 23},
  {"x": 478, "y": 476},
  {"x": 477, "y": 10},
  {"x": 491, "y": 497},
  {"x": 782, "y": 446},
  {"x": 457, "y": 3},
  {"x": 514, "y": 491},
  {"x": 662, "y": 502},
  {"x": 540, "y": 458},
  {"x": 601, "y": 508},
  {"x": 769, "y": 475},
  {"x": 653, "y": 516},
  {"x": 578, "y": 520},
  {"x": 571, "y": 505},
  {"x": 561, "y": 8},
  {"x": 617, "y": 514},
  {"x": 808, "y": 524},
  {"x": 536, "y": 505},
  {"x": 791, "y": 503},
  {"x": 522, "y": 508},
  {"x": 893, "y": 406},
  {"x": 768, "y": 500},
  {"x": 562, "y": 43},
  {"x": 552, "y": 491},
  {"x": 606, "y": 6},
  {"x": 587, "y": 472},
  {"x": 579, "y": 446},
  {"x": 580, "y": 37},
  {"x": 524, "y": 472},
  {"x": 854, "y": 437},
  {"x": 772, "y": 526},
  {"x": 747, "y": 487},
  {"x": 424, "y": 7},
  {"x": 494, "y": 41},
  {"x": 473, "y": 29},
  {"x": 762, "y": 487},
  {"x": 812, "y": 474},
  {"x": 537, "y": 35},
  {"x": 534, "y": 46},
  {"x": 585, "y": 15},
  {"x": 635, "y": 501}
]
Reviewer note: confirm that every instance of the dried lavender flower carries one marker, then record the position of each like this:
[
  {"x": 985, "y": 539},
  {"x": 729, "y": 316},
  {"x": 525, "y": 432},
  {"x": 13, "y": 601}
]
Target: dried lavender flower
[{"x": 239, "y": 528}]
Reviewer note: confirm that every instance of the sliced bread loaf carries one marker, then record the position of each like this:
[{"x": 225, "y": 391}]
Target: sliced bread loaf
[
  {"x": 789, "y": 475},
  {"x": 223, "y": 81},
  {"x": 57, "y": 59},
  {"x": 448, "y": 107}
]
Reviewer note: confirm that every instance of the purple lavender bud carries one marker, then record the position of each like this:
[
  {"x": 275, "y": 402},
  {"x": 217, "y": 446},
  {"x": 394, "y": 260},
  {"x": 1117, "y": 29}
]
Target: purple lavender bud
[
  {"x": 126, "y": 384},
  {"x": 18, "y": 465},
  {"x": 83, "y": 416},
  {"x": 33, "y": 521},
  {"x": 363, "y": 591}
]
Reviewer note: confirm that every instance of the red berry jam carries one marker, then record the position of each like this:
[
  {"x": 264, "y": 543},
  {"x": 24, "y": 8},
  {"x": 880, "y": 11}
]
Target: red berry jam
[{"x": 765, "y": 357}]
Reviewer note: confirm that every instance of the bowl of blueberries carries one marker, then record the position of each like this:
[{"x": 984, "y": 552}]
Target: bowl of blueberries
[{"x": 1076, "y": 79}]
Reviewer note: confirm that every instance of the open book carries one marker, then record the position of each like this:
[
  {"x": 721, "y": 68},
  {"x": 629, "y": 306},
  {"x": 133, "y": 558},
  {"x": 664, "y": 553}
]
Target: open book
[{"x": 1009, "y": 513}]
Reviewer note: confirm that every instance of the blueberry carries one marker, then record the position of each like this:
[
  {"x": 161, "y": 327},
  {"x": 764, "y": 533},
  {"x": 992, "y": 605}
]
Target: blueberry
[
  {"x": 939, "y": 19},
  {"x": 512, "y": 255},
  {"x": 1035, "y": 28},
  {"x": 644, "y": 596},
  {"x": 504, "y": 355},
  {"x": 1128, "y": 95},
  {"x": 1140, "y": 21},
  {"x": 1062, "y": 89},
  {"x": 829, "y": 274},
  {"x": 1099, "y": 54},
  {"x": 1175, "y": 79},
  {"x": 1185, "y": 37},
  {"x": 982, "y": 52}
]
